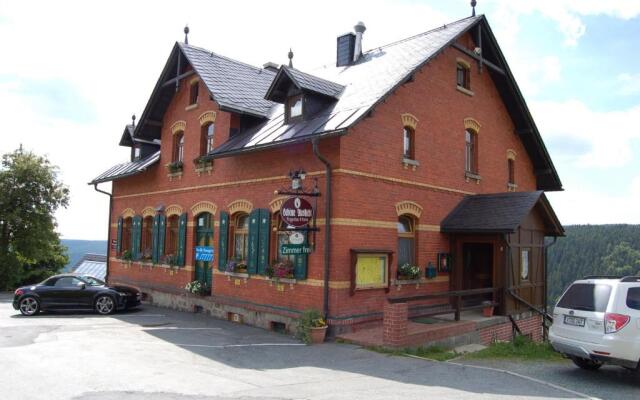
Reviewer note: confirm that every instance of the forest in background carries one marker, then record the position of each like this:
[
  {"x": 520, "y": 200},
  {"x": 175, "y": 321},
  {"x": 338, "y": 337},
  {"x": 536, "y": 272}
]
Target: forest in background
[{"x": 592, "y": 250}]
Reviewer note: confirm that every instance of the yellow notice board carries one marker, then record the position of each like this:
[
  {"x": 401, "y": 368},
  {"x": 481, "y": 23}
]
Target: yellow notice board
[{"x": 371, "y": 271}]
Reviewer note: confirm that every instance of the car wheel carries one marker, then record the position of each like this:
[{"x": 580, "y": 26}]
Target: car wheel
[
  {"x": 29, "y": 306},
  {"x": 105, "y": 305},
  {"x": 584, "y": 363}
]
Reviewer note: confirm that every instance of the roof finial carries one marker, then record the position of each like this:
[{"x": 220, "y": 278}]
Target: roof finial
[
  {"x": 133, "y": 120},
  {"x": 290, "y": 58},
  {"x": 186, "y": 34},
  {"x": 473, "y": 7}
]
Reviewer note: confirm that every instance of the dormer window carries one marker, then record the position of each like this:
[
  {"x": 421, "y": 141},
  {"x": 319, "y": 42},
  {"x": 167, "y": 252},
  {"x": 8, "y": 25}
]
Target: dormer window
[
  {"x": 136, "y": 153},
  {"x": 294, "y": 108}
]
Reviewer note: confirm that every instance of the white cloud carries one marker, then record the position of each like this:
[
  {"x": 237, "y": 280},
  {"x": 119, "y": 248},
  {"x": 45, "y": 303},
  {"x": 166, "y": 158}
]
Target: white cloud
[{"x": 609, "y": 134}]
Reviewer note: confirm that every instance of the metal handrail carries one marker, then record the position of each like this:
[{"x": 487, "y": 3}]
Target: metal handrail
[{"x": 457, "y": 294}]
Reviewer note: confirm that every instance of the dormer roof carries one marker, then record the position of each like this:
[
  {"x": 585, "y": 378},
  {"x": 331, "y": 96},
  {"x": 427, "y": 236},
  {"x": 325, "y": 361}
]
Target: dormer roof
[{"x": 288, "y": 76}]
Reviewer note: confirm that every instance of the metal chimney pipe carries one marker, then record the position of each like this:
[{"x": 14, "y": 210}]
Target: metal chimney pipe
[{"x": 357, "y": 51}]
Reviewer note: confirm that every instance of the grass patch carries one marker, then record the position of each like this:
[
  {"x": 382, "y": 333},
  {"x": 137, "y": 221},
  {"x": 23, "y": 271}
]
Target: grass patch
[
  {"x": 433, "y": 352},
  {"x": 522, "y": 348}
]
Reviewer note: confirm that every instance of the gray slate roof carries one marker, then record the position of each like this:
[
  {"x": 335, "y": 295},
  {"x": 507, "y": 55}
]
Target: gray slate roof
[
  {"x": 127, "y": 169},
  {"x": 497, "y": 213},
  {"x": 233, "y": 84},
  {"x": 314, "y": 83},
  {"x": 93, "y": 265}
]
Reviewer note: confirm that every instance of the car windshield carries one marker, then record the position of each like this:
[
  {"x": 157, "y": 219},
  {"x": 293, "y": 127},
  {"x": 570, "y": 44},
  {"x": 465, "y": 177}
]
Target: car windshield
[
  {"x": 586, "y": 297},
  {"x": 93, "y": 281}
]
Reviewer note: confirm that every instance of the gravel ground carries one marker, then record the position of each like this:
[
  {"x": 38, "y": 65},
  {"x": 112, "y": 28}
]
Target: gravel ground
[{"x": 610, "y": 382}]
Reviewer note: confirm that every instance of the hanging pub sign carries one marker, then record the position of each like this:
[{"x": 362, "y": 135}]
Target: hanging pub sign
[
  {"x": 204, "y": 253},
  {"x": 296, "y": 211}
]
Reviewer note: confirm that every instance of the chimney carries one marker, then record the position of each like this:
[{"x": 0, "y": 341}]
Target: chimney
[
  {"x": 359, "y": 28},
  {"x": 270, "y": 66}
]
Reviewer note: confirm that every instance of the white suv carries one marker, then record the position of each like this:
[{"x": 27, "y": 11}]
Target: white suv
[{"x": 597, "y": 320}]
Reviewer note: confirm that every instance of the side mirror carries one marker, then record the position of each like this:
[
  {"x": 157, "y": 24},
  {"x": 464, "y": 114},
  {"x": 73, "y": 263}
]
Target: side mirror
[{"x": 82, "y": 285}]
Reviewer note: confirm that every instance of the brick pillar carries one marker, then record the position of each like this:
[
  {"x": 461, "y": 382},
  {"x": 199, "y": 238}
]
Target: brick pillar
[{"x": 395, "y": 322}]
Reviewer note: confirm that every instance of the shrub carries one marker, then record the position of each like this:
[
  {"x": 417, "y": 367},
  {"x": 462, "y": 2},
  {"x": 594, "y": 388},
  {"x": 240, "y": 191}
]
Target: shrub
[{"x": 310, "y": 319}]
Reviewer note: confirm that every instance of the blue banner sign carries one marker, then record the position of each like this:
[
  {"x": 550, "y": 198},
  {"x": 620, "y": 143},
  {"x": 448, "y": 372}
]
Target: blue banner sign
[{"x": 204, "y": 253}]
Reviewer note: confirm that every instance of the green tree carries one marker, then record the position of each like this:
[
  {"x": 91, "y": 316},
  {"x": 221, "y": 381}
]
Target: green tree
[
  {"x": 623, "y": 260},
  {"x": 30, "y": 193}
]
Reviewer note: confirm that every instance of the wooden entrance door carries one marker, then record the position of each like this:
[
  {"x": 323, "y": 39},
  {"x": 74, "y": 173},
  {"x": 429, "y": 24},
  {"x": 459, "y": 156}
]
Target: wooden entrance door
[
  {"x": 477, "y": 272},
  {"x": 204, "y": 237}
]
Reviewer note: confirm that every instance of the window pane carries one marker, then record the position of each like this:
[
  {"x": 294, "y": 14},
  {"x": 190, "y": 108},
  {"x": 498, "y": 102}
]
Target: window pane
[
  {"x": 242, "y": 222},
  {"x": 405, "y": 251},
  {"x": 587, "y": 297},
  {"x": 296, "y": 108},
  {"x": 210, "y": 136},
  {"x": 404, "y": 225},
  {"x": 407, "y": 143},
  {"x": 633, "y": 298},
  {"x": 524, "y": 264}
]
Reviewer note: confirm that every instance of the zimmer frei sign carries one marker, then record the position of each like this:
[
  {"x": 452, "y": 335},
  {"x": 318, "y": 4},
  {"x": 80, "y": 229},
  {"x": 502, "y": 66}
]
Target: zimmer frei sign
[{"x": 296, "y": 212}]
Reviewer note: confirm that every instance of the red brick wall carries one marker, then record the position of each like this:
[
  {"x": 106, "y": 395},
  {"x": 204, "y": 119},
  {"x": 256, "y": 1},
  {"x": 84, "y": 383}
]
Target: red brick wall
[
  {"x": 372, "y": 147},
  {"x": 531, "y": 326}
]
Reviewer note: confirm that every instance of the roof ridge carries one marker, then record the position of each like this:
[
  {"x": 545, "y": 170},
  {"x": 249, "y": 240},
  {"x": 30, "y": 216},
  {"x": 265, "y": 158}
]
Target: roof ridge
[
  {"x": 444, "y": 26},
  {"x": 202, "y": 49}
]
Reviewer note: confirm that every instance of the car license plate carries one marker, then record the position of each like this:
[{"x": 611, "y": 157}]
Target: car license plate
[{"x": 575, "y": 321}]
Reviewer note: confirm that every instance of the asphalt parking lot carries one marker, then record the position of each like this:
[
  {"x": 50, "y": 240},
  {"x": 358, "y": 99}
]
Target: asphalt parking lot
[{"x": 159, "y": 354}]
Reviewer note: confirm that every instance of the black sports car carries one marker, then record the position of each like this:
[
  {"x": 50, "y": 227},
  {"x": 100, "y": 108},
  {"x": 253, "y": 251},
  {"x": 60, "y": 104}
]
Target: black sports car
[{"x": 74, "y": 292}]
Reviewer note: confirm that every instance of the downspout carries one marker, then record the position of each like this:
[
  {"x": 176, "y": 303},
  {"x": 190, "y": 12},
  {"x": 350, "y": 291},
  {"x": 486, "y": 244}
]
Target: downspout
[
  {"x": 546, "y": 285},
  {"x": 327, "y": 226},
  {"x": 95, "y": 186}
]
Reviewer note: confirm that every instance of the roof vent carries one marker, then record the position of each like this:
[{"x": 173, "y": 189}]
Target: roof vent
[
  {"x": 359, "y": 28},
  {"x": 270, "y": 66}
]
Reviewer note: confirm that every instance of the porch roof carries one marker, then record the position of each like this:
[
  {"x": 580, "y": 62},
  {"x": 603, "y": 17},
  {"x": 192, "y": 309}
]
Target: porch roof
[{"x": 500, "y": 213}]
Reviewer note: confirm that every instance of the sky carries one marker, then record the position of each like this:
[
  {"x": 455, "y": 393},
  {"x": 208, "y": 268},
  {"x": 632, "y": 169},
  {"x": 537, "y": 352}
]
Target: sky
[{"x": 73, "y": 73}]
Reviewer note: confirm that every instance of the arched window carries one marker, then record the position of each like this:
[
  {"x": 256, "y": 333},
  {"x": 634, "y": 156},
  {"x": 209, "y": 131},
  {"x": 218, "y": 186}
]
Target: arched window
[
  {"x": 146, "y": 239},
  {"x": 193, "y": 93},
  {"x": 511, "y": 170},
  {"x": 463, "y": 76},
  {"x": 240, "y": 237},
  {"x": 171, "y": 240},
  {"x": 127, "y": 223},
  {"x": 471, "y": 152},
  {"x": 178, "y": 147},
  {"x": 408, "y": 142},
  {"x": 208, "y": 133},
  {"x": 406, "y": 240}
]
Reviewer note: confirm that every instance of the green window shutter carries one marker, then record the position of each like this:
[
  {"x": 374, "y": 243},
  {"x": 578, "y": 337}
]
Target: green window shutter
[
  {"x": 223, "y": 240},
  {"x": 162, "y": 222},
  {"x": 182, "y": 238},
  {"x": 263, "y": 241},
  {"x": 300, "y": 262},
  {"x": 136, "y": 236},
  {"x": 254, "y": 230},
  {"x": 119, "y": 237},
  {"x": 154, "y": 240}
]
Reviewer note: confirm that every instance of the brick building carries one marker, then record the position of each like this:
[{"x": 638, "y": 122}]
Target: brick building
[{"x": 423, "y": 153}]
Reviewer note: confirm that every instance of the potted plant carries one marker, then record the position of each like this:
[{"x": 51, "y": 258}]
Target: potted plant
[
  {"x": 282, "y": 270},
  {"x": 312, "y": 328},
  {"x": 408, "y": 272},
  {"x": 241, "y": 268},
  {"x": 487, "y": 308},
  {"x": 201, "y": 163},
  {"x": 174, "y": 167}
]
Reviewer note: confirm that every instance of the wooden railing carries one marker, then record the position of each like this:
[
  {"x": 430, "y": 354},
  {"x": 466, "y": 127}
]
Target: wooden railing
[{"x": 456, "y": 295}]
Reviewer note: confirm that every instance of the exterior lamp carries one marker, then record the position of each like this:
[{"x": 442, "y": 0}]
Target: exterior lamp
[{"x": 297, "y": 177}]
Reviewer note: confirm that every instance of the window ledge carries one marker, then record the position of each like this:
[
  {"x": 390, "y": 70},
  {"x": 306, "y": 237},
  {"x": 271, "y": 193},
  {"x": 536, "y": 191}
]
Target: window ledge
[
  {"x": 399, "y": 282},
  {"x": 174, "y": 175},
  {"x": 469, "y": 176},
  {"x": 409, "y": 162},
  {"x": 242, "y": 275},
  {"x": 511, "y": 187},
  {"x": 191, "y": 107},
  {"x": 464, "y": 90}
]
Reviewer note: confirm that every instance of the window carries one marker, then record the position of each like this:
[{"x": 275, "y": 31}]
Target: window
[
  {"x": 136, "y": 153},
  {"x": 171, "y": 241},
  {"x": 282, "y": 237},
  {"x": 525, "y": 259},
  {"x": 147, "y": 235},
  {"x": 68, "y": 281},
  {"x": 408, "y": 143},
  {"x": 127, "y": 223},
  {"x": 193, "y": 93},
  {"x": 633, "y": 298},
  {"x": 511, "y": 171},
  {"x": 178, "y": 147},
  {"x": 294, "y": 108},
  {"x": 406, "y": 241},
  {"x": 462, "y": 76},
  {"x": 208, "y": 133},
  {"x": 471, "y": 152},
  {"x": 586, "y": 297},
  {"x": 241, "y": 237}
]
